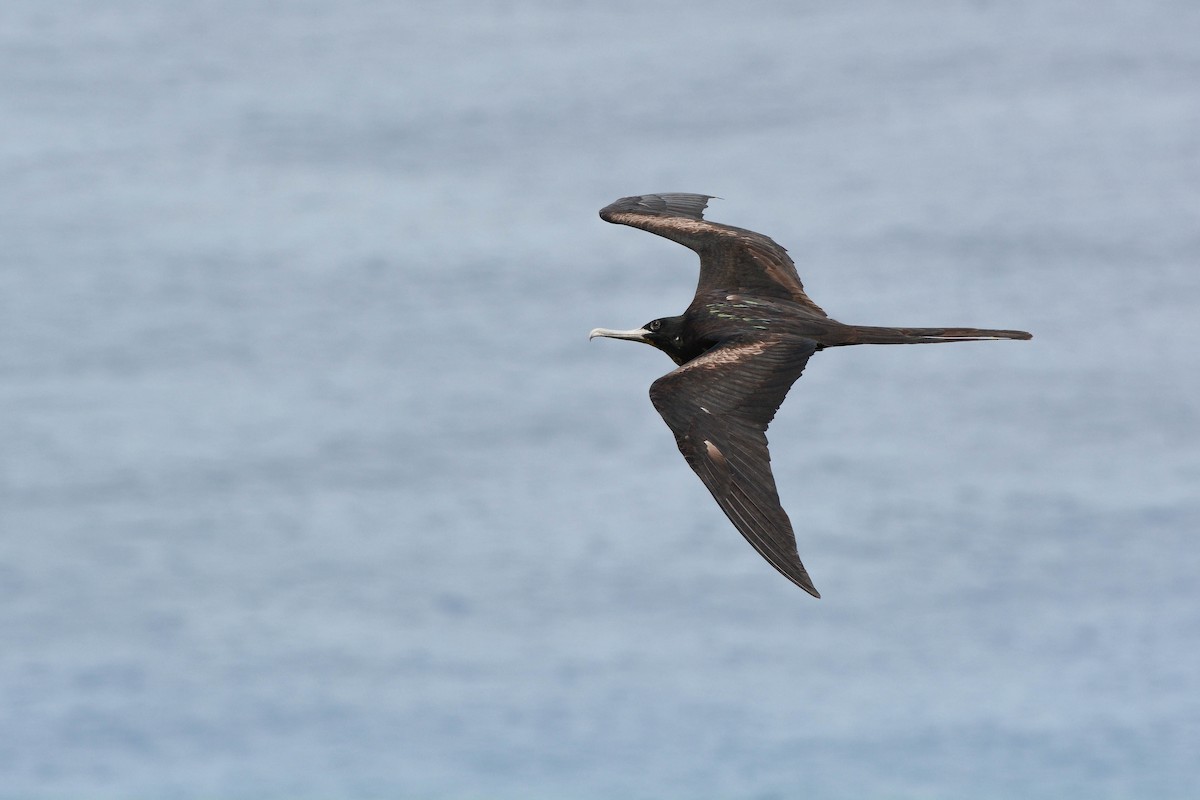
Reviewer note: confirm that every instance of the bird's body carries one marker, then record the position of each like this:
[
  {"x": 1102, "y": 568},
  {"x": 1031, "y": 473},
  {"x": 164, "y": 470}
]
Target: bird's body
[{"x": 739, "y": 346}]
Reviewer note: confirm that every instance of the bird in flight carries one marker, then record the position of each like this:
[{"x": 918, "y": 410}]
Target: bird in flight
[{"x": 739, "y": 347}]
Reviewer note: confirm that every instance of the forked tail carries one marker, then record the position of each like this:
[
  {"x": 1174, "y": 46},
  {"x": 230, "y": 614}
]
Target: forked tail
[{"x": 866, "y": 334}]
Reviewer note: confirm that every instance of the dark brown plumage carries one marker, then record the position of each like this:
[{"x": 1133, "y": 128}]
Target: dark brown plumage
[{"x": 740, "y": 345}]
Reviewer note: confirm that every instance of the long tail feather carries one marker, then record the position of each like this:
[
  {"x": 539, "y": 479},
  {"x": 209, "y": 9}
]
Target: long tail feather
[{"x": 866, "y": 334}]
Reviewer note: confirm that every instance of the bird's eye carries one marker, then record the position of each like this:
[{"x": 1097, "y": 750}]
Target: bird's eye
[{"x": 655, "y": 325}]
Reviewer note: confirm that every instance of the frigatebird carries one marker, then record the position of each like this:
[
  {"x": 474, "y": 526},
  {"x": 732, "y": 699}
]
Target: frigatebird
[{"x": 739, "y": 347}]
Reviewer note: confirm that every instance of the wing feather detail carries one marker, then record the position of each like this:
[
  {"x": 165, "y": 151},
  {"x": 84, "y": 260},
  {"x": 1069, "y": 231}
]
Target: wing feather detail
[
  {"x": 719, "y": 406},
  {"x": 731, "y": 259}
]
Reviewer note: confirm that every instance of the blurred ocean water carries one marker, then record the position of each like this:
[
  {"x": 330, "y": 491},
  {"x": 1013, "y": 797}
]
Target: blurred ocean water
[{"x": 312, "y": 486}]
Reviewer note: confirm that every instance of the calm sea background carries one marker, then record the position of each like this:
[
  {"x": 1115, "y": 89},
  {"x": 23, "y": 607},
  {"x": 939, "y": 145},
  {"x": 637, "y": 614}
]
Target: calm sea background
[{"x": 311, "y": 485}]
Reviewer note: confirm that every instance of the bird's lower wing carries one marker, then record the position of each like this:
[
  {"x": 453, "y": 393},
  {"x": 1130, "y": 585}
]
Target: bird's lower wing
[{"x": 719, "y": 406}]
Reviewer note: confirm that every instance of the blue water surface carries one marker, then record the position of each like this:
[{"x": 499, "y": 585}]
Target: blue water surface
[{"x": 311, "y": 485}]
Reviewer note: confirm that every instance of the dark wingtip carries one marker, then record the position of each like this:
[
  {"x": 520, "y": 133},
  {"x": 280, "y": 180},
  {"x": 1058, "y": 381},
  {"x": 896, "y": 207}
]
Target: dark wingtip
[
  {"x": 673, "y": 204},
  {"x": 798, "y": 577}
]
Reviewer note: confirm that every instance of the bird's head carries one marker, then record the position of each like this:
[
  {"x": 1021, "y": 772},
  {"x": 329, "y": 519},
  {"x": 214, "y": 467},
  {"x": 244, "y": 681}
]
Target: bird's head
[{"x": 665, "y": 333}]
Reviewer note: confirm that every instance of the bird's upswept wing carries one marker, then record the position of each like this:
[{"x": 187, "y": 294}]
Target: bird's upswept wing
[
  {"x": 731, "y": 259},
  {"x": 719, "y": 406}
]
